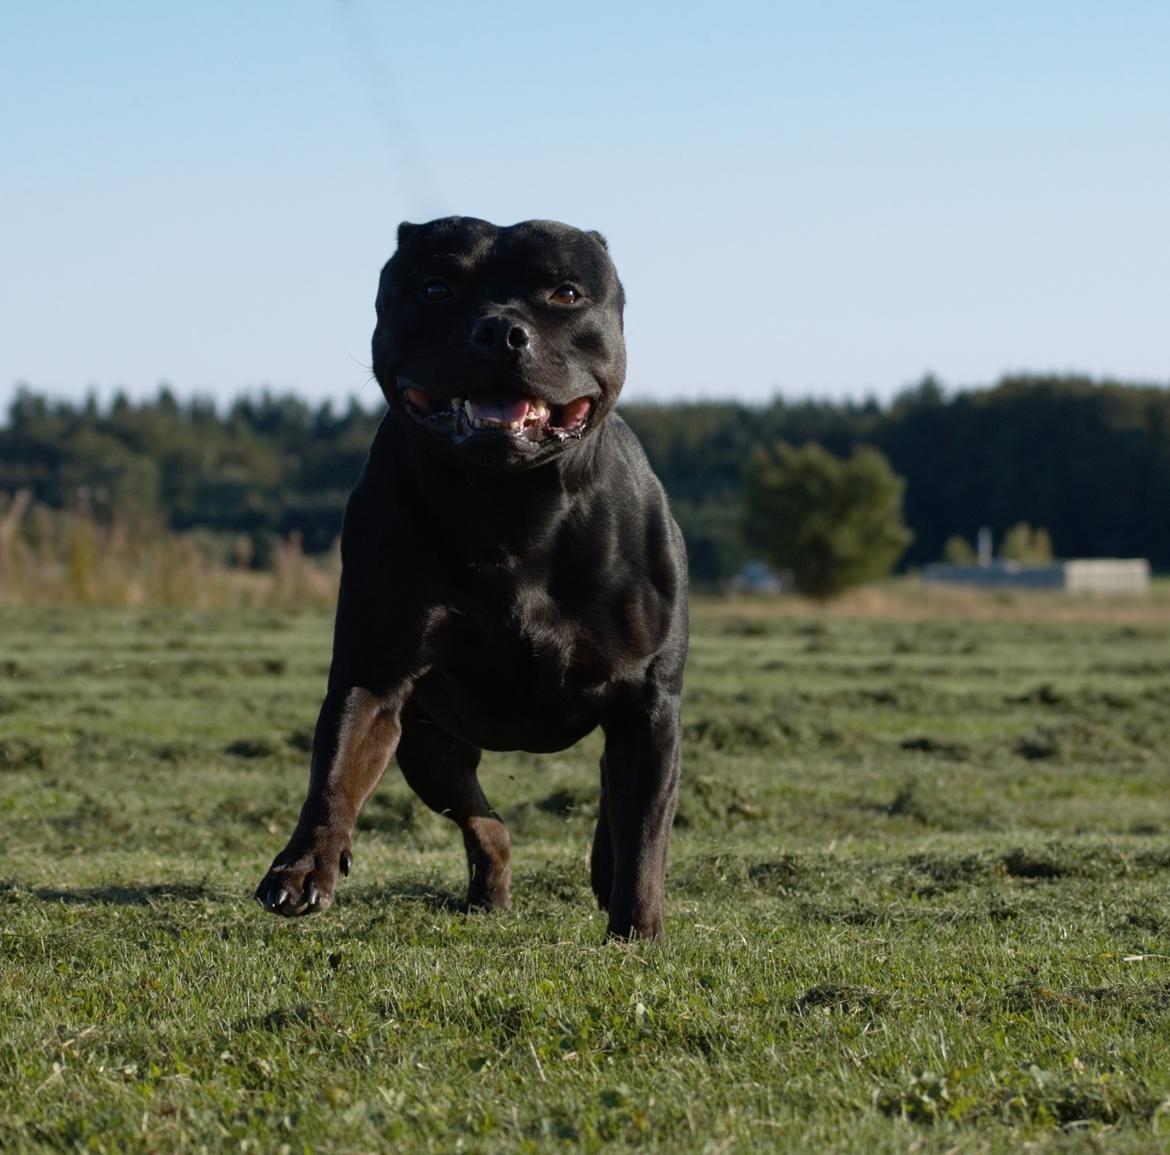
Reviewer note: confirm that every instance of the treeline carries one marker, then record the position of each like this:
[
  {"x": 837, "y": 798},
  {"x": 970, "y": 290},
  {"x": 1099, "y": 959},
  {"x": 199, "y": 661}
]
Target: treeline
[
  {"x": 265, "y": 469},
  {"x": 1088, "y": 461}
]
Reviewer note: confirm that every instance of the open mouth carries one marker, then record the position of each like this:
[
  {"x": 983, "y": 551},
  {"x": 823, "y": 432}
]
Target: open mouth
[{"x": 501, "y": 409}]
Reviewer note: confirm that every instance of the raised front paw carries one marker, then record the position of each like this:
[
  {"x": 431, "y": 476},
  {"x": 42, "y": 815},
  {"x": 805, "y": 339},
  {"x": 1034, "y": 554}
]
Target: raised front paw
[{"x": 301, "y": 879}]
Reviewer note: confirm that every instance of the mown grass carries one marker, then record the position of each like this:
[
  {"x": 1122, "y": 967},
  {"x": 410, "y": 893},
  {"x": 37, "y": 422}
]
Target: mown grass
[{"x": 918, "y": 902}]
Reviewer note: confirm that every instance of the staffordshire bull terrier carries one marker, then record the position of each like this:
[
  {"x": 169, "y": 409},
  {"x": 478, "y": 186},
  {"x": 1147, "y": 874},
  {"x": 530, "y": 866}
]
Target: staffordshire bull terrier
[{"x": 511, "y": 575}]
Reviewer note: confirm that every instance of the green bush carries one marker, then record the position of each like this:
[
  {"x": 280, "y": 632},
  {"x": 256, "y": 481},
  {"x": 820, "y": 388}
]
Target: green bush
[{"x": 834, "y": 522}]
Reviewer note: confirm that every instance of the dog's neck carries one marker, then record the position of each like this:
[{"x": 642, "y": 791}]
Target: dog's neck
[{"x": 497, "y": 514}]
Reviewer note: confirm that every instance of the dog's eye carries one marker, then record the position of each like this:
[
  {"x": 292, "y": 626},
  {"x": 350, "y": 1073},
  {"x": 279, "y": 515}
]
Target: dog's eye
[
  {"x": 565, "y": 295},
  {"x": 435, "y": 290}
]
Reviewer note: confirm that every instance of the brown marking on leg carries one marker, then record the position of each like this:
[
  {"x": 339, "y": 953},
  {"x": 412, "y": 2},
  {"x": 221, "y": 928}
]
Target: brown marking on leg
[
  {"x": 489, "y": 863},
  {"x": 357, "y": 733},
  {"x": 441, "y": 769}
]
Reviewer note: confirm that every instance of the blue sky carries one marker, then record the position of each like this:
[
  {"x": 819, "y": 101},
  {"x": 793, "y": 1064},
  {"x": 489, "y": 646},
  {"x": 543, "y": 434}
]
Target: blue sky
[{"x": 817, "y": 199}]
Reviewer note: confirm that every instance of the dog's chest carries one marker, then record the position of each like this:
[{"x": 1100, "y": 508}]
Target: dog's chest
[
  {"x": 527, "y": 672},
  {"x": 533, "y": 642}
]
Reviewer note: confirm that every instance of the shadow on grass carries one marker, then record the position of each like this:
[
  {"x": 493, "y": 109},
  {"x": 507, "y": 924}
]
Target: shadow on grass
[
  {"x": 303, "y": 1016},
  {"x": 434, "y": 898},
  {"x": 118, "y": 895}
]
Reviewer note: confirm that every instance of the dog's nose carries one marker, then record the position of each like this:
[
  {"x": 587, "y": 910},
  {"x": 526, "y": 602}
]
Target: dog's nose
[{"x": 500, "y": 335}]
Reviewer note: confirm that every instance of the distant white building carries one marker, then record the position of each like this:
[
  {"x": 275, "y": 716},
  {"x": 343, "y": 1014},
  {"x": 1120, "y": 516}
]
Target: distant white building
[
  {"x": 1104, "y": 575},
  {"x": 1077, "y": 575}
]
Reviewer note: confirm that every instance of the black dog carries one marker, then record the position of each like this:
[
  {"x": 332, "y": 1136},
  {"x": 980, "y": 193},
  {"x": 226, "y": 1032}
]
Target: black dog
[{"x": 511, "y": 575}]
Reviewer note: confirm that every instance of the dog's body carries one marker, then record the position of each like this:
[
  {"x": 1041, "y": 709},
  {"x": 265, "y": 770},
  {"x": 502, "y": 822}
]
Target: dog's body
[{"x": 511, "y": 575}]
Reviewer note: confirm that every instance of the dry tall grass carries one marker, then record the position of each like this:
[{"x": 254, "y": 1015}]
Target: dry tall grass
[
  {"x": 908, "y": 599},
  {"x": 54, "y": 557}
]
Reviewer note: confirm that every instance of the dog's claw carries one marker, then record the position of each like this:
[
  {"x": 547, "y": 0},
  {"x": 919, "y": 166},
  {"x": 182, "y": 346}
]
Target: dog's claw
[{"x": 302, "y": 879}]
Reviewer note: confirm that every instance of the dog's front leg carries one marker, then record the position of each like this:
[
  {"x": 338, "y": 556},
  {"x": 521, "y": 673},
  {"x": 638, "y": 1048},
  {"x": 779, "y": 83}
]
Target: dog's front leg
[
  {"x": 642, "y": 762},
  {"x": 357, "y": 733}
]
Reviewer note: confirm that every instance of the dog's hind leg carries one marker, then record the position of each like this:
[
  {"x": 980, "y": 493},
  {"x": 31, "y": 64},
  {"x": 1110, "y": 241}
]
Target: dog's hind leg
[
  {"x": 441, "y": 769},
  {"x": 601, "y": 855}
]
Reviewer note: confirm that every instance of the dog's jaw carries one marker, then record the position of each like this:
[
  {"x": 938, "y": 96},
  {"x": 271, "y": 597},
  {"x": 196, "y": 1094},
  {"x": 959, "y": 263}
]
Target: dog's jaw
[{"x": 534, "y": 426}]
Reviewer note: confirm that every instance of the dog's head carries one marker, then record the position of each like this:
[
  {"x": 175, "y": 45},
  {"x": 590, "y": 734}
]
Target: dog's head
[{"x": 499, "y": 347}]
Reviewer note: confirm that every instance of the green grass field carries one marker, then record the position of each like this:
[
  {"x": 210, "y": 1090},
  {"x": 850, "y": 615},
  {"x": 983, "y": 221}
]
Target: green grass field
[{"x": 919, "y": 900}]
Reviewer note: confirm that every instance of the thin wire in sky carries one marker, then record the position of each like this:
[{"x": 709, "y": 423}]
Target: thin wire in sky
[{"x": 406, "y": 151}]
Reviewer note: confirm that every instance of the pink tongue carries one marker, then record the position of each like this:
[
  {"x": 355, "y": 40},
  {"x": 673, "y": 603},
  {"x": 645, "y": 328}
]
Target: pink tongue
[
  {"x": 504, "y": 407},
  {"x": 574, "y": 414}
]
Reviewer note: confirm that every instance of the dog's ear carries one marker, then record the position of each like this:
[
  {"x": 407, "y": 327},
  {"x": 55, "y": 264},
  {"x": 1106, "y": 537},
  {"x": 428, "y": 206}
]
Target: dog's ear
[
  {"x": 405, "y": 231},
  {"x": 383, "y": 297},
  {"x": 598, "y": 238}
]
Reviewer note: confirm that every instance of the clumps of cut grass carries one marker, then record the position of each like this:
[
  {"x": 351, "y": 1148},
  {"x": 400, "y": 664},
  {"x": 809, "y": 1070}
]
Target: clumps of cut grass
[
  {"x": 939, "y": 747},
  {"x": 21, "y": 754},
  {"x": 1038, "y": 746},
  {"x": 1033, "y": 996},
  {"x": 1100, "y": 738},
  {"x": 748, "y": 627},
  {"x": 908, "y": 803},
  {"x": 777, "y": 874},
  {"x": 573, "y": 805},
  {"x": 1045, "y": 694},
  {"x": 923, "y": 801},
  {"x": 261, "y": 747},
  {"x": 841, "y": 997},
  {"x": 740, "y": 731},
  {"x": 1027, "y": 1094},
  {"x": 391, "y": 812},
  {"x": 933, "y": 873},
  {"x": 561, "y": 882},
  {"x": 1021, "y": 863},
  {"x": 563, "y": 802},
  {"x": 300, "y": 739},
  {"x": 710, "y": 800},
  {"x": 93, "y": 821}
]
